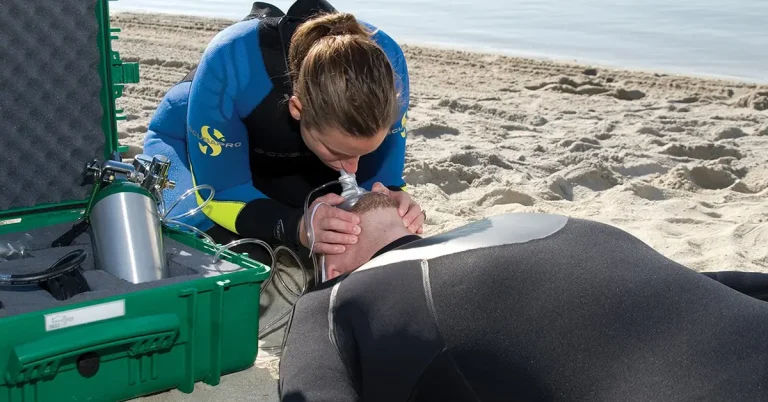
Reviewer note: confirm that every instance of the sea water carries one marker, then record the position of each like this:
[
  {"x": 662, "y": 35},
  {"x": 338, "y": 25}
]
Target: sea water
[{"x": 698, "y": 37}]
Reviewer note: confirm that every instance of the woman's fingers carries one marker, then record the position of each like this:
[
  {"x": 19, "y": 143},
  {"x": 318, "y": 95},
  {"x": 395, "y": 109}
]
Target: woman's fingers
[
  {"x": 338, "y": 225},
  {"x": 414, "y": 219},
  {"x": 343, "y": 215},
  {"x": 330, "y": 237},
  {"x": 334, "y": 228},
  {"x": 330, "y": 249}
]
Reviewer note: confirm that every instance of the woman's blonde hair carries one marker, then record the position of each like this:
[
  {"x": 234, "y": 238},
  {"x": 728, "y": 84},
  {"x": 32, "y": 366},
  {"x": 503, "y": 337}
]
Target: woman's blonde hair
[{"x": 343, "y": 79}]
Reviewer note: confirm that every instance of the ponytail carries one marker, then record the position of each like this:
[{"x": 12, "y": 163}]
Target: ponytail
[{"x": 341, "y": 76}]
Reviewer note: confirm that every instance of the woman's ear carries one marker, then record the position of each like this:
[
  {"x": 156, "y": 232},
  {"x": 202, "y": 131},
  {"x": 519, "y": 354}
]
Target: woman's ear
[{"x": 294, "y": 106}]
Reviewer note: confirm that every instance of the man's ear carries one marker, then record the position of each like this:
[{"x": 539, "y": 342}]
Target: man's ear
[
  {"x": 378, "y": 187},
  {"x": 331, "y": 272},
  {"x": 294, "y": 106}
]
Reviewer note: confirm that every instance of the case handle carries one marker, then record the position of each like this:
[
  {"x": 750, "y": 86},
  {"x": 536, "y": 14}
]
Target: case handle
[{"x": 41, "y": 358}]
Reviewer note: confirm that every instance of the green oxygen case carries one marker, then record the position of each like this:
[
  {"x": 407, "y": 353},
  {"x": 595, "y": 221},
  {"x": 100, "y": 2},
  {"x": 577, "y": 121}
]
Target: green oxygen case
[{"x": 59, "y": 79}]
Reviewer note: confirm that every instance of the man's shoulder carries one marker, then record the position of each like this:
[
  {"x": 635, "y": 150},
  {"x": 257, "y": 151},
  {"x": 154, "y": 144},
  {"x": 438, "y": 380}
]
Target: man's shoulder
[{"x": 494, "y": 231}]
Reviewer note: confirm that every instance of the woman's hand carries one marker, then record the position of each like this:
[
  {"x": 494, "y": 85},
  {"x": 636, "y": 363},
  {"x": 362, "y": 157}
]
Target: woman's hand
[
  {"x": 334, "y": 228},
  {"x": 409, "y": 210}
]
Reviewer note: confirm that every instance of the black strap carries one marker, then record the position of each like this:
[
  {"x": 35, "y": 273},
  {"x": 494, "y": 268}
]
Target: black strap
[
  {"x": 263, "y": 10},
  {"x": 69, "y": 236},
  {"x": 260, "y": 11}
]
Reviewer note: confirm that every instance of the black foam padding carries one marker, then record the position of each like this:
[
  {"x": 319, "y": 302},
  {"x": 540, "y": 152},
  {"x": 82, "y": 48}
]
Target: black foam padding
[
  {"x": 185, "y": 264},
  {"x": 50, "y": 107}
]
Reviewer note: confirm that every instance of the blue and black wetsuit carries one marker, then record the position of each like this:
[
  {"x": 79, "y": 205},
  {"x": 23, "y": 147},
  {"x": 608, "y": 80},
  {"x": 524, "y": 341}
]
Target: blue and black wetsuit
[
  {"x": 227, "y": 125},
  {"x": 526, "y": 307}
]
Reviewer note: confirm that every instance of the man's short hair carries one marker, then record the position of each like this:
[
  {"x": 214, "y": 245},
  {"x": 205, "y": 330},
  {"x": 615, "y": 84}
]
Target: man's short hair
[{"x": 373, "y": 201}]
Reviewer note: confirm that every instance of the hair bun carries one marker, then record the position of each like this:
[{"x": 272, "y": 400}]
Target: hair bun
[
  {"x": 337, "y": 24},
  {"x": 344, "y": 24}
]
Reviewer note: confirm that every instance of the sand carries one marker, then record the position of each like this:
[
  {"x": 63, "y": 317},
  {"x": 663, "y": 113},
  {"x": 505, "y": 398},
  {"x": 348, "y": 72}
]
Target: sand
[{"x": 679, "y": 162}]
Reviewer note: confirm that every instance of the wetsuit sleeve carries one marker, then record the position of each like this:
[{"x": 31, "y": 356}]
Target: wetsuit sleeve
[
  {"x": 230, "y": 81},
  {"x": 311, "y": 369},
  {"x": 389, "y": 159}
]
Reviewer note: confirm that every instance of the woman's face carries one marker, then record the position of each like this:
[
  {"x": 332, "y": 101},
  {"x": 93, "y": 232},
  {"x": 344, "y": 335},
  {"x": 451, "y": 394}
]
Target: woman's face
[
  {"x": 335, "y": 148},
  {"x": 339, "y": 150}
]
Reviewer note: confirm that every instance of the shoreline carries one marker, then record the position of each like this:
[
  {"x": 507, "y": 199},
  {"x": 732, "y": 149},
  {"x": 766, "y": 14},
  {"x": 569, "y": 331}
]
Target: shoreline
[{"x": 587, "y": 63}]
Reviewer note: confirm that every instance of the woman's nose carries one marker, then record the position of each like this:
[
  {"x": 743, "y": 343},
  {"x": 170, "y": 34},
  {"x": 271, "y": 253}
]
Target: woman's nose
[{"x": 350, "y": 165}]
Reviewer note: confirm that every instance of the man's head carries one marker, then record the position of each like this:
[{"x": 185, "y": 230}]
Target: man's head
[{"x": 380, "y": 224}]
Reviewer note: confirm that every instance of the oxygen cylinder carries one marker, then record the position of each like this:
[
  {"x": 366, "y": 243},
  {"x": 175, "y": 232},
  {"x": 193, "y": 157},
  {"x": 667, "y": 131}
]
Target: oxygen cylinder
[{"x": 126, "y": 233}]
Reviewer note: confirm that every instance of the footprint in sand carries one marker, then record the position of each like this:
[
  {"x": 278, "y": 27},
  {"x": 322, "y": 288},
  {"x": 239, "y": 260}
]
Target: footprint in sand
[
  {"x": 476, "y": 158},
  {"x": 698, "y": 177},
  {"x": 450, "y": 177},
  {"x": 594, "y": 176},
  {"x": 579, "y": 146},
  {"x": 688, "y": 100},
  {"x": 557, "y": 188},
  {"x": 570, "y": 86},
  {"x": 706, "y": 151},
  {"x": 647, "y": 191},
  {"x": 504, "y": 196},
  {"x": 650, "y": 131},
  {"x": 756, "y": 100},
  {"x": 729, "y": 133},
  {"x": 434, "y": 130},
  {"x": 136, "y": 129},
  {"x": 640, "y": 169}
]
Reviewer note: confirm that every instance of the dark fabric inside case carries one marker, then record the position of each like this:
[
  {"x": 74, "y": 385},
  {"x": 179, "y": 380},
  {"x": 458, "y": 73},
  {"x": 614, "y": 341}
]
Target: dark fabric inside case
[
  {"x": 184, "y": 263},
  {"x": 50, "y": 107}
]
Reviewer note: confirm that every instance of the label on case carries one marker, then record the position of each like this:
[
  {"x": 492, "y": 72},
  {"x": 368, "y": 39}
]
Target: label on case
[{"x": 84, "y": 315}]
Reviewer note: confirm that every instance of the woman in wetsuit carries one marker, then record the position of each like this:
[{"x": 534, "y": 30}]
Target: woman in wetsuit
[{"x": 277, "y": 106}]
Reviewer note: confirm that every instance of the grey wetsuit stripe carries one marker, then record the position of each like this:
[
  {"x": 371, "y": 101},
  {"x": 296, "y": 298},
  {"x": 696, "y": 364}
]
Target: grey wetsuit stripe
[
  {"x": 332, "y": 321},
  {"x": 428, "y": 291}
]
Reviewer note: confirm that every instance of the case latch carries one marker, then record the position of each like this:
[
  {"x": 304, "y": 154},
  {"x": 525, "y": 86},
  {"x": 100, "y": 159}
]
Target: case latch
[{"x": 125, "y": 73}]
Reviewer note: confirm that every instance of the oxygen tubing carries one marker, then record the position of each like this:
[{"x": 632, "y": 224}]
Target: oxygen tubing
[
  {"x": 274, "y": 269},
  {"x": 67, "y": 263},
  {"x": 310, "y": 232}
]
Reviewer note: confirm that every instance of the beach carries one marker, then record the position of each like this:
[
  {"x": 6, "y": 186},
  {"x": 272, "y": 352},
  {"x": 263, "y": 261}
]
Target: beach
[{"x": 679, "y": 162}]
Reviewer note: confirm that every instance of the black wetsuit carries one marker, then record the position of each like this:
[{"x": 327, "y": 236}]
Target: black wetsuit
[{"x": 526, "y": 307}]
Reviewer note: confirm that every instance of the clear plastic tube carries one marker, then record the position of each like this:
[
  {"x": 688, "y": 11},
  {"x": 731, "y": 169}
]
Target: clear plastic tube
[
  {"x": 186, "y": 194},
  {"x": 275, "y": 271},
  {"x": 310, "y": 233},
  {"x": 265, "y": 331},
  {"x": 191, "y": 228},
  {"x": 238, "y": 242},
  {"x": 305, "y": 281}
]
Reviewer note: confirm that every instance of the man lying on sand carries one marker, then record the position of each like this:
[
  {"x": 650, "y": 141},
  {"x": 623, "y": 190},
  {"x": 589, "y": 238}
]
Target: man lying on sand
[{"x": 519, "y": 307}]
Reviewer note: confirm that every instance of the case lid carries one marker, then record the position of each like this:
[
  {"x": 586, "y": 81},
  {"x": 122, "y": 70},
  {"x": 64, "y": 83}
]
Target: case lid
[{"x": 57, "y": 100}]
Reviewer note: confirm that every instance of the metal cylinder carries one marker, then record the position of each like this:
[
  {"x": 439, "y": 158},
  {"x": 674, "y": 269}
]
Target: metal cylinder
[{"x": 126, "y": 233}]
